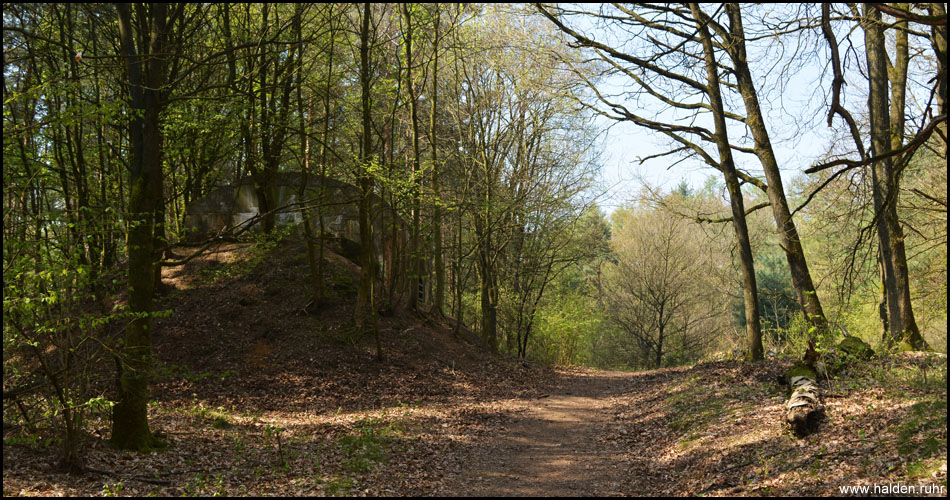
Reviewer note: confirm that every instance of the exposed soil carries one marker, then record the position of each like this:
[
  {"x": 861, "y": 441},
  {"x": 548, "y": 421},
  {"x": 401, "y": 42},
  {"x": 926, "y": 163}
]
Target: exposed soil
[{"x": 552, "y": 446}]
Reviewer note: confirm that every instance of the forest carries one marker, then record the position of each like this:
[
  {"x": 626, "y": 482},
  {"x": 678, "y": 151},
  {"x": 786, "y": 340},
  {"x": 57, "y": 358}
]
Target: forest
[{"x": 376, "y": 249}]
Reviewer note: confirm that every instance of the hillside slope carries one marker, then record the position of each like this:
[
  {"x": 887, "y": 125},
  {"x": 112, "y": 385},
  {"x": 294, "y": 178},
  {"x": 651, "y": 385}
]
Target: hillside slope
[{"x": 257, "y": 395}]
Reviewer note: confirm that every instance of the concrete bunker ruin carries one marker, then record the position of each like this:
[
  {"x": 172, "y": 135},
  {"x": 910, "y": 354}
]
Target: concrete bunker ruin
[{"x": 228, "y": 208}]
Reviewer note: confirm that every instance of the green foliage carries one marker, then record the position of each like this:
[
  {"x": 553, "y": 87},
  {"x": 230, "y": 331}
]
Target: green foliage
[
  {"x": 794, "y": 338},
  {"x": 694, "y": 406},
  {"x": 656, "y": 288},
  {"x": 274, "y": 433},
  {"x": 32, "y": 440},
  {"x": 514, "y": 186},
  {"x": 54, "y": 338},
  {"x": 113, "y": 489},
  {"x": 567, "y": 329},
  {"x": 340, "y": 486},
  {"x": 368, "y": 445},
  {"x": 203, "y": 485},
  {"x": 217, "y": 418},
  {"x": 920, "y": 434},
  {"x": 778, "y": 303}
]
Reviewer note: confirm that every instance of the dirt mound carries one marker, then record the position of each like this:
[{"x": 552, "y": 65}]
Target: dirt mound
[{"x": 243, "y": 329}]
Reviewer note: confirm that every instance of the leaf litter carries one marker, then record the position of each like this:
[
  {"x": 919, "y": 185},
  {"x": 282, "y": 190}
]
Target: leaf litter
[{"x": 256, "y": 395}]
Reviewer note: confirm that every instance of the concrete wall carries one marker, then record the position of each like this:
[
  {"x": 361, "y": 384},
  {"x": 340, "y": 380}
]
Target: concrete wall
[{"x": 225, "y": 208}]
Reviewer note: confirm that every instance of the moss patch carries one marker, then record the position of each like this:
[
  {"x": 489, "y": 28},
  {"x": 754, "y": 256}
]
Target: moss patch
[
  {"x": 856, "y": 347},
  {"x": 801, "y": 371}
]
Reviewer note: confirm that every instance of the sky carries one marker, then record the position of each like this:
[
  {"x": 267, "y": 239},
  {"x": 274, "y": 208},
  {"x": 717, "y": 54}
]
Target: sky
[
  {"x": 795, "y": 105},
  {"x": 625, "y": 143},
  {"x": 795, "y": 118}
]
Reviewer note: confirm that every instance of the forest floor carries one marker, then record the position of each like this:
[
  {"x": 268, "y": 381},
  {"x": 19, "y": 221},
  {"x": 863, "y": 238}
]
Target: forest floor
[{"x": 258, "y": 394}]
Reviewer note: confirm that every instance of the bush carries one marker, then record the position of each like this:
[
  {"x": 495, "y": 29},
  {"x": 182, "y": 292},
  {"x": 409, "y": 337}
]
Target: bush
[{"x": 57, "y": 341}]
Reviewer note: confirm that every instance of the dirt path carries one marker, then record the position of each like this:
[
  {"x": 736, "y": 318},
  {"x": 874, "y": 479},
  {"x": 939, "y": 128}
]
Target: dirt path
[{"x": 553, "y": 446}]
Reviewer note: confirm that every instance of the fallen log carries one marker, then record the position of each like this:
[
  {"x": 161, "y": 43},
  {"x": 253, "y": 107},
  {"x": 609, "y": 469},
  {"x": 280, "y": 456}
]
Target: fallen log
[
  {"x": 855, "y": 347},
  {"x": 803, "y": 408}
]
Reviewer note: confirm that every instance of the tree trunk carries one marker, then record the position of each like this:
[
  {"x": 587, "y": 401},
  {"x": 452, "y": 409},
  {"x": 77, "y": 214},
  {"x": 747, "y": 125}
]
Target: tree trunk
[
  {"x": 885, "y": 178},
  {"x": 882, "y": 305},
  {"x": 316, "y": 280},
  {"x": 439, "y": 298},
  {"x": 753, "y": 328},
  {"x": 323, "y": 168},
  {"x": 939, "y": 44},
  {"x": 803, "y": 410},
  {"x": 415, "y": 267},
  {"x": 785, "y": 226},
  {"x": 488, "y": 290},
  {"x": 489, "y": 309},
  {"x": 130, "y": 428},
  {"x": 365, "y": 301}
]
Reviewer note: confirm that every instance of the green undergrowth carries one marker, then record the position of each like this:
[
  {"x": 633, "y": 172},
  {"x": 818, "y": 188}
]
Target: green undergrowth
[
  {"x": 904, "y": 418},
  {"x": 919, "y": 434},
  {"x": 920, "y": 429},
  {"x": 922, "y": 434},
  {"x": 204, "y": 485},
  {"x": 337, "y": 465},
  {"x": 694, "y": 405},
  {"x": 216, "y": 418},
  {"x": 369, "y": 443},
  {"x": 701, "y": 401},
  {"x": 30, "y": 440},
  {"x": 263, "y": 245},
  {"x": 366, "y": 447}
]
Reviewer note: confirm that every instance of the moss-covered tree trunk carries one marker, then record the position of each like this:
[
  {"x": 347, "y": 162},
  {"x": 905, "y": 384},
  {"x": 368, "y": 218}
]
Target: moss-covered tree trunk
[
  {"x": 438, "y": 301},
  {"x": 365, "y": 300},
  {"x": 488, "y": 281},
  {"x": 886, "y": 117},
  {"x": 415, "y": 249},
  {"x": 130, "y": 429}
]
